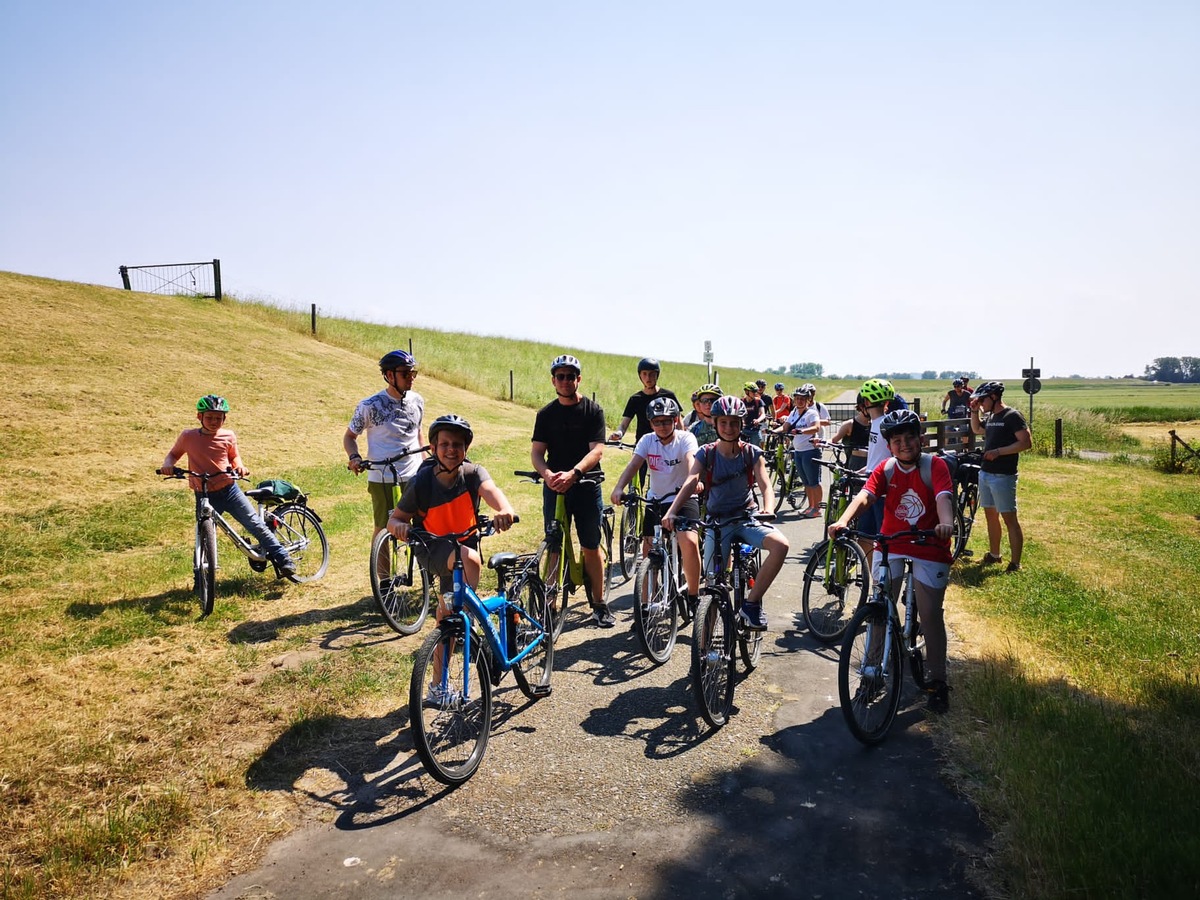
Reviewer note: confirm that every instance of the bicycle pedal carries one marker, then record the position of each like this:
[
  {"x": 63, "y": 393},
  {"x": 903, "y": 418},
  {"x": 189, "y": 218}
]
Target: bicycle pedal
[
  {"x": 542, "y": 690},
  {"x": 967, "y": 553}
]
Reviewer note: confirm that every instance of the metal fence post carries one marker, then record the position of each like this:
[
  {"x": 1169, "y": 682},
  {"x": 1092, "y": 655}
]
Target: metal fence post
[
  {"x": 125, "y": 277},
  {"x": 217, "y": 279}
]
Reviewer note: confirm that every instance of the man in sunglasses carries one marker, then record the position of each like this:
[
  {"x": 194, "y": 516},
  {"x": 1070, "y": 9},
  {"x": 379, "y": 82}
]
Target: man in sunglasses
[{"x": 568, "y": 442}]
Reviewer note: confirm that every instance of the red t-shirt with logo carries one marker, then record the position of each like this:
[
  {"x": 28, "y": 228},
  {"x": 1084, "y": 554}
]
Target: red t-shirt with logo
[{"x": 910, "y": 504}]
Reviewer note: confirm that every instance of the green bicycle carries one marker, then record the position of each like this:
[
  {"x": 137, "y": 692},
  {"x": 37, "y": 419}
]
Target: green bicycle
[
  {"x": 558, "y": 562},
  {"x": 785, "y": 477},
  {"x": 630, "y": 526},
  {"x": 837, "y": 576}
]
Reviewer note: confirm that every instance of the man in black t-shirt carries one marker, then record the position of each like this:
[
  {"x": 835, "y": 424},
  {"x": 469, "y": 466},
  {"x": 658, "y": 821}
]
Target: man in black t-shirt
[
  {"x": 1005, "y": 436},
  {"x": 568, "y": 441},
  {"x": 635, "y": 408}
]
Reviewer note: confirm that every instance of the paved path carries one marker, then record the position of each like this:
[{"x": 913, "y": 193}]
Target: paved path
[{"x": 811, "y": 813}]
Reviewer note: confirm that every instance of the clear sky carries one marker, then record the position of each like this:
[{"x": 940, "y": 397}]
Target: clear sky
[{"x": 874, "y": 186}]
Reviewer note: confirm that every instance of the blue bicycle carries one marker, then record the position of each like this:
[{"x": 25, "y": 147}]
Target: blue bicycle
[{"x": 476, "y": 641}]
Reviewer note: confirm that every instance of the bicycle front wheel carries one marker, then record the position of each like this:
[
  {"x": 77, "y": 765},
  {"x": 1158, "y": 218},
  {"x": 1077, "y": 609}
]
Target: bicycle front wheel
[
  {"x": 964, "y": 519},
  {"x": 450, "y": 705},
  {"x": 835, "y": 585},
  {"x": 206, "y": 566},
  {"x": 557, "y": 596},
  {"x": 750, "y": 643},
  {"x": 302, "y": 536},
  {"x": 631, "y": 541},
  {"x": 528, "y": 624},
  {"x": 712, "y": 660},
  {"x": 399, "y": 584},
  {"x": 655, "y": 616},
  {"x": 868, "y": 690}
]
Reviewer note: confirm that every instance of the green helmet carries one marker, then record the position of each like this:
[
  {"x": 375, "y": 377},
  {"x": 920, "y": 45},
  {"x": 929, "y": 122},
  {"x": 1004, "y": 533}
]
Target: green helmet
[
  {"x": 877, "y": 390},
  {"x": 714, "y": 389},
  {"x": 212, "y": 403}
]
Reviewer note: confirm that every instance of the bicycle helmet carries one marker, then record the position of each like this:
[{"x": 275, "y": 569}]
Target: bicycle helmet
[
  {"x": 987, "y": 389},
  {"x": 397, "y": 359},
  {"x": 649, "y": 364},
  {"x": 877, "y": 390},
  {"x": 750, "y": 386},
  {"x": 959, "y": 382},
  {"x": 662, "y": 406},
  {"x": 898, "y": 421},
  {"x": 809, "y": 388},
  {"x": 212, "y": 403},
  {"x": 779, "y": 385},
  {"x": 566, "y": 361},
  {"x": 714, "y": 389},
  {"x": 761, "y": 384},
  {"x": 729, "y": 406},
  {"x": 802, "y": 392},
  {"x": 451, "y": 422}
]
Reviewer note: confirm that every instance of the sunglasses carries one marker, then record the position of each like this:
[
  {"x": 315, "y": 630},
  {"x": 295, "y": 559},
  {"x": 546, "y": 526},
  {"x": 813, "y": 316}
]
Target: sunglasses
[{"x": 565, "y": 376}]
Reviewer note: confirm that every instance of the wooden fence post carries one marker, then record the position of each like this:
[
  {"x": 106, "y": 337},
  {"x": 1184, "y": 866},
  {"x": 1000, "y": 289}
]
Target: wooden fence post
[
  {"x": 511, "y": 395},
  {"x": 1058, "y": 439},
  {"x": 314, "y": 320}
]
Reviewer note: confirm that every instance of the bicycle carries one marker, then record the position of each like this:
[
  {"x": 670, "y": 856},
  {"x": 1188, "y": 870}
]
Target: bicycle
[
  {"x": 836, "y": 576},
  {"x": 477, "y": 642},
  {"x": 630, "y": 525},
  {"x": 659, "y": 590},
  {"x": 717, "y": 626},
  {"x": 785, "y": 476},
  {"x": 400, "y": 583},
  {"x": 556, "y": 561},
  {"x": 877, "y": 644},
  {"x": 297, "y": 527},
  {"x": 966, "y": 465}
]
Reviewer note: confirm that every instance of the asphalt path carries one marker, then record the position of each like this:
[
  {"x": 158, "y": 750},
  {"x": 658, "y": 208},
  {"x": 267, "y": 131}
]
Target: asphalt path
[{"x": 811, "y": 814}]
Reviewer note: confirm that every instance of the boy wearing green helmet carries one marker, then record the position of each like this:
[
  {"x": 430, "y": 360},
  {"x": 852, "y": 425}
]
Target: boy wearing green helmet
[{"x": 212, "y": 448}]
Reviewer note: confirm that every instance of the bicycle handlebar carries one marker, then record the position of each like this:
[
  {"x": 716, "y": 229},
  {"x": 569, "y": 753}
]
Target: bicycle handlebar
[
  {"x": 376, "y": 463},
  {"x": 918, "y": 535},
  {"x": 181, "y": 473},
  {"x": 587, "y": 478},
  {"x": 621, "y": 444},
  {"x": 483, "y": 527}
]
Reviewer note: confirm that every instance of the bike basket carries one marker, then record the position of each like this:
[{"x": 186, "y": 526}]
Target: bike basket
[{"x": 282, "y": 490}]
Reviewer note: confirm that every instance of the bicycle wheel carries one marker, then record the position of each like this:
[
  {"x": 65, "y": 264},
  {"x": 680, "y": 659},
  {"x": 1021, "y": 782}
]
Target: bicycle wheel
[
  {"x": 206, "y": 569},
  {"x": 869, "y": 694},
  {"x": 556, "y": 597},
  {"x": 780, "y": 475},
  {"x": 835, "y": 585},
  {"x": 612, "y": 571},
  {"x": 531, "y": 623},
  {"x": 712, "y": 660},
  {"x": 631, "y": 540},
  {"x": 655, "y": 616},
  {"x": 915, "y": 640},
  {"x": 302, "y": 536},
  {"x": 964, "y": 518},
  {"x": 399, "y": 584},
  {"x": 750, "y": 643},
  {"x": 450, "y": 705}
]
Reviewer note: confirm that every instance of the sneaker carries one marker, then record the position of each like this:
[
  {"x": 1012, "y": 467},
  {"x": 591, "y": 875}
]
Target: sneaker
[
  {"x": 1013, "y": 567},
  {"x": 603, "y": 616},
  {"x": 440, "y": 698},
  {"x": 939, "y": 697},
  {"x": 752, "y": 614},
  {"x": 286, "y": 567},
  {"x": 991, "y": 558}
]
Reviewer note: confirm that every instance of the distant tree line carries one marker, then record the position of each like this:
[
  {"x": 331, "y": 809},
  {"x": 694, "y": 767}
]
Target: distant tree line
[
  {"x": 816, "y": 370},
  {"x": 1176, "y": 369}
]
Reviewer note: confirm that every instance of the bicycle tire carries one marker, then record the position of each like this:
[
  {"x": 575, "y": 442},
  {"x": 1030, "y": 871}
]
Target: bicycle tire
[
  {"x": 611, "y": 569},
  {"x": 832, "y": 594},
  {"x": 655, "y": 615},
  {"x": 779, "y": 480},
  {"x": 631, "y": 541},
  {"x": 964, "y": 519},
  {"x": 552, "y": 573},
  {"x": 915, "y": 641},
  {"x": 403, "y": 603},
  {"x": 713, "y": 662},
  {"x": 532, "y": 673},
  {"x": 750, "y": 643},
  {"x": 869, "y": 697},
  {"x": 450, "y": 735},
  {"x": 303, "y": 537},
  {"x": 206, "y": 570}
]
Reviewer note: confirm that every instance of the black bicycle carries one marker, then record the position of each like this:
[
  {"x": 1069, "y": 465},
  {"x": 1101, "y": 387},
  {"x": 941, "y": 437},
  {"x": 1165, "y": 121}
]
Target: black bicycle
[
  {"x": 399, "y": 582},
  {"x": 966, "y": 465}
]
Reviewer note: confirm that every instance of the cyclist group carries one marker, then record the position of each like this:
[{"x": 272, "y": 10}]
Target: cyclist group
[{"x": 715, "y": 453}]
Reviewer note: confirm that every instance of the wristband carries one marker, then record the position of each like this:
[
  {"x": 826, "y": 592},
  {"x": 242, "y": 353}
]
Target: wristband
[
  {"x": 578, "y": 474},
  {"x": 354, "y": 456}
]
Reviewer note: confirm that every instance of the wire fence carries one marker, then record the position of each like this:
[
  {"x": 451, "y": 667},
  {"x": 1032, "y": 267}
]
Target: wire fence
[{"x": 201, "y": 279}]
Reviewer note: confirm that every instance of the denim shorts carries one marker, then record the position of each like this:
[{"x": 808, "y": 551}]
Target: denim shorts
[
  {"x": 998, "y": 491},
  {"x": 752, "y": 533},
  {"x": 806, "y": 465}
]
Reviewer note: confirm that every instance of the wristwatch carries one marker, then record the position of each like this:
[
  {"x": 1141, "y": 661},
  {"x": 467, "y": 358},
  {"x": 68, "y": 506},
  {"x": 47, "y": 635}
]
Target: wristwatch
[{"x": 578, "y": 474}]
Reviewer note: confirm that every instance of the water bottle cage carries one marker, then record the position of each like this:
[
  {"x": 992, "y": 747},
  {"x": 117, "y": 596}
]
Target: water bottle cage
[{"x": 657, "y": 556}]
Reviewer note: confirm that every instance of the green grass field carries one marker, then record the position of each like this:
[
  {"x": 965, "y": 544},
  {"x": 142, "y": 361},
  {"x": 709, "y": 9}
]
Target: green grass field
[{"x": 147, "y": 752}]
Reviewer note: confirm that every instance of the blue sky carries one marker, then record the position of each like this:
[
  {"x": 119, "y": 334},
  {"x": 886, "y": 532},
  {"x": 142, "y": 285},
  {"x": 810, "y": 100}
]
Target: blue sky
[{"x": 871, "y": 186}]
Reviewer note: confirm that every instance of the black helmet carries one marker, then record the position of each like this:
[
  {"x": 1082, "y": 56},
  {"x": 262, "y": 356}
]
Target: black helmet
[
  {"x": 451, "y": 422},
  {"x": 648, "y": 364},
  {"x": 762, "y": 384},
  {"x": 900, "y": 420},
  {"x": 959, "y": 382},
  {"x": 987, "y": 389},
  {"x": 397, "y": 359},
  {"x": 662, "y": 406}
]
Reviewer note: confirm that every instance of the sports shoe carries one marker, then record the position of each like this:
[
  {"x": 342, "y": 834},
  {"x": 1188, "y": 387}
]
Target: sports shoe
[
  {"x": 939, "y": 697},
  {"x": 991, "y": 558},
  {"x": 603, "y": 616},
  {"x": 440, "y": 698},
  {"x": 754, "y": 617},
  {"x": 286, "y": 567},
  {"x": 1013, "y": 567}
]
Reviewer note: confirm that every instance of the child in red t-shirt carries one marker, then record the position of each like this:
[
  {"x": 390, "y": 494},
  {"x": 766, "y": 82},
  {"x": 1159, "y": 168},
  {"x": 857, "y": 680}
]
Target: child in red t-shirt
[{"x": 910, "y": 503}]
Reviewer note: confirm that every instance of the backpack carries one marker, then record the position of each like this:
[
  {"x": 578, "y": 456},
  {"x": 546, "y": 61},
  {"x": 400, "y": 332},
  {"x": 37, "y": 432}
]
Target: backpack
[
  {"x": 926, "y": 467},
  {"x": 747, "y": 464},
  {"x": 283, "y": 490}
]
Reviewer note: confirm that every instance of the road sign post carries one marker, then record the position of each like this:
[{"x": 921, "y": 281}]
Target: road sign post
[{"x": 1031, "y": 386}]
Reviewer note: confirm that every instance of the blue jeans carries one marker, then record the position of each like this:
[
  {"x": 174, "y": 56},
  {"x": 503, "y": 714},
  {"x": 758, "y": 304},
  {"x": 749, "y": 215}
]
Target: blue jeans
[
  {"x": 231, "y": 500},
  {"x": 750, "y": 532}
]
